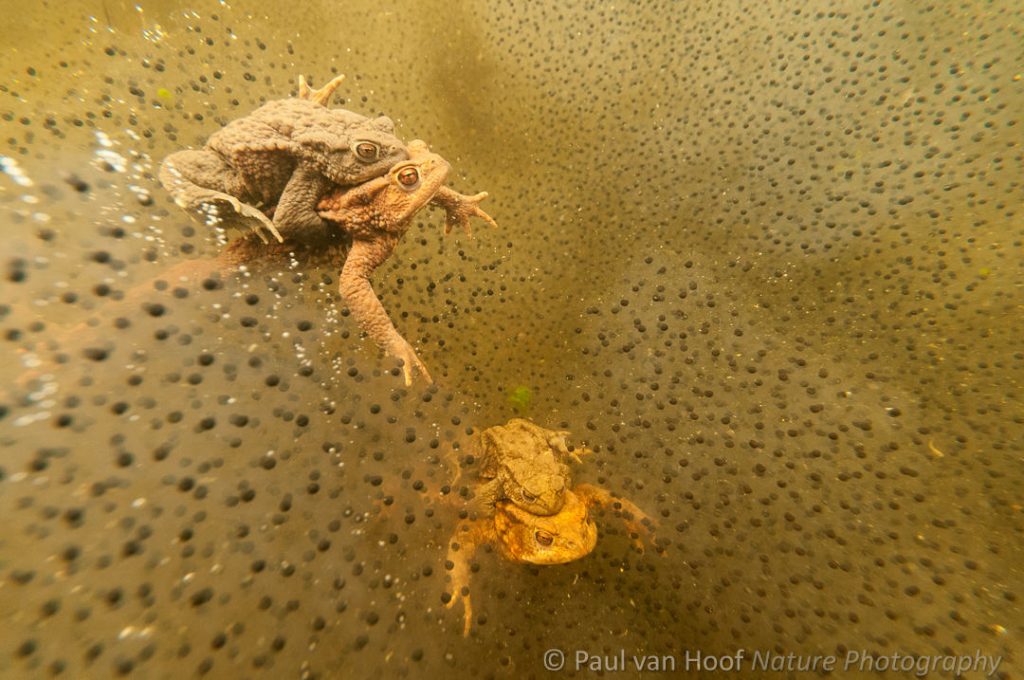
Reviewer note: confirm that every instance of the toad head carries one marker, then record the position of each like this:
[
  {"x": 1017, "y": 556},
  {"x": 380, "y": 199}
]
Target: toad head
[{"x": 365, "y": 150}]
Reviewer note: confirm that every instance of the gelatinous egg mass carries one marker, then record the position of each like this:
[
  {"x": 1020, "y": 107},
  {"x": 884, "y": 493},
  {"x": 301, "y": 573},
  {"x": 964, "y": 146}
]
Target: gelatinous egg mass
[{"x": 763, "y": 259}]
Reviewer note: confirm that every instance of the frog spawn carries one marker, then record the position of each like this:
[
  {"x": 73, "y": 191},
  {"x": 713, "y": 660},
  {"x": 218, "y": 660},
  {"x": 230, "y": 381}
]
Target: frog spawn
[{"x": 772, "y": 297}]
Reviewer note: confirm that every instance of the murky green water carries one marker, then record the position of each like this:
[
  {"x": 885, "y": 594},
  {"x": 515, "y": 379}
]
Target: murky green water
[{"x": 765, "y": 261}]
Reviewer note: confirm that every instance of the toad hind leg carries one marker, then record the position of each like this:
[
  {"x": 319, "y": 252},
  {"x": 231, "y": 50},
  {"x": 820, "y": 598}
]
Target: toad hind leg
[
  {"x": 321, "y": 96},
  {"x": 461, "y": 549},
  {"x": 559, "y": 442},
  {"x": 199, "y": 178}
]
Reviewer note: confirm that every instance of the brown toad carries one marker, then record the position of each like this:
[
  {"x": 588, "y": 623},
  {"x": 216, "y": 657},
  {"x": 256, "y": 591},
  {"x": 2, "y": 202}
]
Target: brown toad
[
  {"x": 525, "y": 464},
  {"x": 283, "y": 158},
  {"x": 525, "y": 538},
  {"x": 376, "y": 215}
]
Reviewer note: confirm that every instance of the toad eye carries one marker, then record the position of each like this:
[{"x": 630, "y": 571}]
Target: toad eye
[
  {"x": 527, "y": 496},
  {"x": 367, "y": 151},
  {"x": 543, "y": 537},
  {"x": 409, "y": 177}
]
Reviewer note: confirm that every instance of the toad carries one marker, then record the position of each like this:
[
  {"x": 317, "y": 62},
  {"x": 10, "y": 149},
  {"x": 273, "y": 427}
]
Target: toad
[
  {"x": 525, "y": 464},
  {"x": 376, "y": 215},
  {"x": 282, "y": 159},
  {"x": 525, "y": 538}
]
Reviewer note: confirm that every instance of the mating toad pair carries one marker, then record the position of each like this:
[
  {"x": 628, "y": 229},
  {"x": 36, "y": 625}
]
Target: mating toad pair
[
  {"x": 303, "y": 172},
  {"x": 525, "y": 505}
]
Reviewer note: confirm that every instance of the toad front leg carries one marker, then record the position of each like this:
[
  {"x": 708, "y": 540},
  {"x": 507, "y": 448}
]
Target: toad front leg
[
  {"x": 364, "y": 257},
  {"x": 486, "y": 495},
  {"x": 459, "y": 208},
  {"x": 634, "y": 518},
  {"x": 296, "y": 214}
]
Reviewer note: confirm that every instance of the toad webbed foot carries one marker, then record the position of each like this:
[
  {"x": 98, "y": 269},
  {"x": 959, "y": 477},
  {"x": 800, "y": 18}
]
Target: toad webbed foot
[
  {"x": 200, "y": 181},
  {"x": 262, "y": 221},
  {"x": 461, "y": 592},
  {"x": 577, "y": 454},
  {"x": 205, "y": 202},
  {"x": 321, "y": 96},
  {"x": 559, "y": 441},
  {"x": 410, "y": 361}
]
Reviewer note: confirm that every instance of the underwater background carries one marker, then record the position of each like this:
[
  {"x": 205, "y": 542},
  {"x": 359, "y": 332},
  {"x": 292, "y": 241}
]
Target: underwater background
[{"x": 764, "y": 259}]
